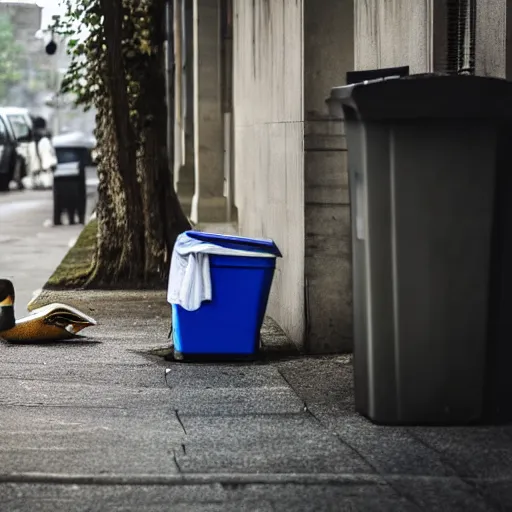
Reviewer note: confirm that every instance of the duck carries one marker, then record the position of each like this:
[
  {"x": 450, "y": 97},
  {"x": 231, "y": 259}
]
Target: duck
[
  {"x": 53, "y": 322},
  {"x": 7, "y": 319}
]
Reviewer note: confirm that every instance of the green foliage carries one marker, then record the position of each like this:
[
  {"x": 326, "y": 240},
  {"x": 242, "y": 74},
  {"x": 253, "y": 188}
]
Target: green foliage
[
  {"x": 83, "y": 78},
  {"x": 86, "y": 75},
  {"x": 11, "y": 55}
]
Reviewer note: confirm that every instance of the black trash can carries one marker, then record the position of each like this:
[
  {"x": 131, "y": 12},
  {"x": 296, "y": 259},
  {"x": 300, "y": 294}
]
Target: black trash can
[
  {"x": 430, "y": 169},
  {"x": 69, "y": 180}
]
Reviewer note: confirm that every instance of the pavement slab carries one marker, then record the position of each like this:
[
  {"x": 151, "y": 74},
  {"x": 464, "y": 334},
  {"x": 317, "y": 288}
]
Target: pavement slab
[
  {"x": 91, "y": 498},
  {"x": 273, "y": 497},
  {"x": 279, "y": 443}
]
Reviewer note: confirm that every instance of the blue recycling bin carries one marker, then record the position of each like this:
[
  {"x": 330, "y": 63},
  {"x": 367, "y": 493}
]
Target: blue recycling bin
[{"x": 228, "y": 326}]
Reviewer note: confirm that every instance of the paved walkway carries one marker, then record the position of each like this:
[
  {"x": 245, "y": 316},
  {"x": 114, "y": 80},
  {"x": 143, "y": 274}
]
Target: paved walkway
[
  {"x": 30, "y": 249},
  {"x": 93, "y": 426}
]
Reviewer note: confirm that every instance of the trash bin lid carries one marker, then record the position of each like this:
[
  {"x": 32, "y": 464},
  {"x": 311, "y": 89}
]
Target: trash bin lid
[
  {"x": 426, "y": 96},
  {"x": 262, "y": 245},
  {"x": 73, "y": 140}
]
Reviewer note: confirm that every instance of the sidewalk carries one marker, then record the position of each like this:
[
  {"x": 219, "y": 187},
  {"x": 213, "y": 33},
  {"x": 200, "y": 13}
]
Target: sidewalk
[{"x": 92, "y": 425}]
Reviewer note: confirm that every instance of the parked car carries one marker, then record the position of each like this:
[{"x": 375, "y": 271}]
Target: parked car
[
  {"x": 12, "y": 164},
  {"x": 19, "y": 122},
  {"x": 74, "y": 156}
]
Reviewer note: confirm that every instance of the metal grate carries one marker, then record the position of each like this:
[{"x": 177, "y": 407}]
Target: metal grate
[{"x": 461, "y": 25}]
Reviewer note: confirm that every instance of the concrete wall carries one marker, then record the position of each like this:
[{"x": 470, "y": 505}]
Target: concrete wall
[
  {"x": 208, "y": 203},
  {"x": 329, "y": 54},
  {"x": 184, "y": 165},
  {"x": 394, "y": 33},
  {"x": 291, "y": 181},
  {"x": 290, "y": 158},
  {"x": 269, "y": 136},
  {"x": 493, "y": 37}
]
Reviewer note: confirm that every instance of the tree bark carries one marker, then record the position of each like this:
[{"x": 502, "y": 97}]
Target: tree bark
[
  {"x": 139, "y": 215},
  {"x": 111, "y": 207},
  {"x": 164, "y": 218}
]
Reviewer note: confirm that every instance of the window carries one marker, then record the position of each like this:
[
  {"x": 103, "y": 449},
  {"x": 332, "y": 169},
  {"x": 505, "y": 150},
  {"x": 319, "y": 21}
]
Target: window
[
  {"x": 3, "y": 133},
  {"x": 20, "y": 126}
]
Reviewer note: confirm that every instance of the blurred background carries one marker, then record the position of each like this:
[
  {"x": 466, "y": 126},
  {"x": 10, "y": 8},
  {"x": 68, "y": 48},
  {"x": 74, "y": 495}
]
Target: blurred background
[{"x": 29, "y": 78}]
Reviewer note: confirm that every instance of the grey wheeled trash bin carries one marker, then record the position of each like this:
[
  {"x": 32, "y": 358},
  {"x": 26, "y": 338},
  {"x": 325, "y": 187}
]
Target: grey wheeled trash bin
[{"x": 429, "y": 160}]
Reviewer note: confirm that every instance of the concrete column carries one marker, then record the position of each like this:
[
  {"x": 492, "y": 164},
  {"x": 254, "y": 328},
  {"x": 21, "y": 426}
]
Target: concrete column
[
  {"x": 227, "y": 106},
  {"x": 268, "y": 120},
  {"x": 184, "y": 164},
  {"x": 493, "y": 50},
  {"x": 208, "y": 203},
  {"x": 328, "y": 55}
]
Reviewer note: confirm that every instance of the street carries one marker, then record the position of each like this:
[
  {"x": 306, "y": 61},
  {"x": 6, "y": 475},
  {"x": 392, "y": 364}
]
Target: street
[
  {"x": 31, "y": 247},
  {"x": 26, "y": 232}
]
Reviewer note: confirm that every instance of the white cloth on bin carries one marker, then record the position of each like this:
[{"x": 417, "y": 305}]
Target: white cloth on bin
[{"x": 189, "y": 276}]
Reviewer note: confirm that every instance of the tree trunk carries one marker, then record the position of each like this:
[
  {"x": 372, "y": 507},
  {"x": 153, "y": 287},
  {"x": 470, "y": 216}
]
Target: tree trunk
[
  {"x": 164, "y": 218},
  {"x": 111, "y": 207},
  {"x": 139, "y": 215}
]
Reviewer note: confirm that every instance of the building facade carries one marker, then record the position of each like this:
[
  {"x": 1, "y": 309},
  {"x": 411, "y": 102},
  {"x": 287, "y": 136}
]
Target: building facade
[{"x": 255, "y": 138}]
